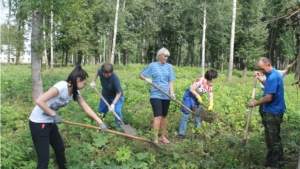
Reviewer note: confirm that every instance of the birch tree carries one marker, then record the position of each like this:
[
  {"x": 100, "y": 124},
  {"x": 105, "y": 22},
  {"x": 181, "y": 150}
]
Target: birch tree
[
  {"x": 115, "y": 34},
  {"x": 203, "y": 41},
  {"x": 230, "y": 66},
  {"x": 51, "y": 36},
  {"x": 9, "y": 32},
  {"x": 36, "y": 52}
]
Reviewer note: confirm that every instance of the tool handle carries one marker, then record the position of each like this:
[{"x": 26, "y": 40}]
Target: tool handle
[
  {"x": 110, "y": 131},
  {"x": 250, "y": 111},
  {"x": 108, "y": 105},
  {"x": 190, "y": 109},
  {"x": 173, "y": 99}
]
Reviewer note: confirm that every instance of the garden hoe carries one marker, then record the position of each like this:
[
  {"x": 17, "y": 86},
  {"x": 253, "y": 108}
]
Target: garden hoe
[
  {"x": 112, "y": 131},
  {"x": 194, "y": 113},
  {"x": 126, "y": 128},
  {"x": 249, "y": 113}
]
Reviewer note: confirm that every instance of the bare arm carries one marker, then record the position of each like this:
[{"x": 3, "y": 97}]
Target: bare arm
[
  {"x": 142, "y": 77},
  {"x": 193, "y": 90},
  {"x": 171, "y": 86},
  {"x": 117, "y": 98},
  {"x": 95, "y": 76},
  {"x": 88, "y": 110},
  {"x": 211, "y": 97},
  {"x": 41, "y": 100},
  {"x": 266, "y": 99},
  {"x": 259, "y": 78}
]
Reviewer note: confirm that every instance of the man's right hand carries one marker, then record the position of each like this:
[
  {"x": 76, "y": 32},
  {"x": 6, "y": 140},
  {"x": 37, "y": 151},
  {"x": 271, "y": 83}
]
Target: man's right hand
[
  {"x": 256, "y": 73},
  {"x": 93, "y": 84},
  {"x": 199, "y": 99}
]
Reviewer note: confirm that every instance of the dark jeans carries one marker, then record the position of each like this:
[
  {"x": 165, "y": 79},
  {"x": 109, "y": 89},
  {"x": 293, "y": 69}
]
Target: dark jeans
[
  {"x": 43, "y": 135},
  {"x": 272, "y": 123}
]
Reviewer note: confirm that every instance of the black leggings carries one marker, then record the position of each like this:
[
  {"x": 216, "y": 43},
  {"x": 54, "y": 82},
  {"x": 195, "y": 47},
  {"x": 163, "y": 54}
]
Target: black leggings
[
  {"x": 42, "y": 135},
  {"x": 160, "y": 107}
]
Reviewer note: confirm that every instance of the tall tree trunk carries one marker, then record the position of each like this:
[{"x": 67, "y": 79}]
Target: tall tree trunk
[
  {"x": 36, "y": 53},
  {"x": 104, "y": 49},
  {"x": 119, "y": 57},
  {"x": 230, "y": 65},
  {"x": 67, "y": 50},
  {"x": 203, "y": 41},
  {"x": 179, "y": 56},
  {"x": 9, "y": 32},
  {"x": 297, "y": 73},
  {"x": 45, "y": 57},
  {"x": 51, "y": 36},
  {"x": 79, "y": 56},
  {"x": 112, "y": 59}
]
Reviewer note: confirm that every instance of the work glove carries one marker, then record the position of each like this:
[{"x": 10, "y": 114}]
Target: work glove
[
  {"x": 93, "y": 84},
  {"x": 103, "y": 127},
  {"x": 56, "y": 119},
  {"x": 173, "y": 96},
  {"x": 199, "y": 99},
  {"x": 148, "y": 80},
  {"x": 112, "y": 107},
  {"x": 210, "y": 107}
]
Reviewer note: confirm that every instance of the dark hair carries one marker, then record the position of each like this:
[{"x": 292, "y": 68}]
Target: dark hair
[
  {"x": 107, "y": 68},
  {"x": 211, "y": 74},
  {"x": 78, "y": 72}
]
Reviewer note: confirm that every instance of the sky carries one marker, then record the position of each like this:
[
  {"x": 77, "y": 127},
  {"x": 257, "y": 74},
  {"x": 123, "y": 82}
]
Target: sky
[{"x": 3, "y": 16}]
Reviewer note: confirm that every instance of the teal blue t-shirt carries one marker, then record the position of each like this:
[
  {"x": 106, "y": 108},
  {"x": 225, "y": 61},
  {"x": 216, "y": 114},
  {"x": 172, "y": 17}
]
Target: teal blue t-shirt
[
  {"x": 161, "y": 75},
  {"x": 274, "y": 86}
]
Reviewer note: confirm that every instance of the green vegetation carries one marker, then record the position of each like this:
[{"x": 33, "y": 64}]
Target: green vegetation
[{"x": 213, "y": 145}]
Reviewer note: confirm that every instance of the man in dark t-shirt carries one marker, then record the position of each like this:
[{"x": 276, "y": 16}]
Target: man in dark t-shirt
[{"x": 111, "y": 91}]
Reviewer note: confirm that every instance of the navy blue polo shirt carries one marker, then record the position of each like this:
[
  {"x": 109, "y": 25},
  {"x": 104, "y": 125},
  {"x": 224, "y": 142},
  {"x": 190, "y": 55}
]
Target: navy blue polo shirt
[{"x": 110, "y": 86}]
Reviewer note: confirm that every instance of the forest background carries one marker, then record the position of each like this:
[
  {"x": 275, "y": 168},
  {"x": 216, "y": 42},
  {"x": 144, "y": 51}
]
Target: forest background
[{"x": 197, "y": 33}]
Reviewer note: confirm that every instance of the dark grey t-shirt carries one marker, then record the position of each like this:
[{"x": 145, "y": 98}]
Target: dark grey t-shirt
[{"x": 110, "y": 86}]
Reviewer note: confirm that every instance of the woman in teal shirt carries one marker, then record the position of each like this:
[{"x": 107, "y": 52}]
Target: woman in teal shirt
[{"x": 162, "y": 74}]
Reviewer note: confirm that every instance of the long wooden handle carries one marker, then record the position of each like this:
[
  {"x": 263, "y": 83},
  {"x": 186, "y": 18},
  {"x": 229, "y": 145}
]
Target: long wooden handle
[
  {"x": 190, "y": 109},
  {"x": 107, "y": 104},
  {"x": 172, "y": 98},
  {"x": 250, "y": 111},
  {"x": 110, "y": 131}
]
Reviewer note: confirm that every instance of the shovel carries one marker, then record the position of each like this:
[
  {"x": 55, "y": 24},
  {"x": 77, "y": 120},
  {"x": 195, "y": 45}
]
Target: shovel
[
  {"x": 249, "y": 113},
  {"x": 126, "y": 128}
]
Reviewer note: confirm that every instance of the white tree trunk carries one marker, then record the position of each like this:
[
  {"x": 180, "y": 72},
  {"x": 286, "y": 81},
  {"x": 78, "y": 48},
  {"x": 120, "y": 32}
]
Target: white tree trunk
[
  {"x": 230, "y": 65},
  {"x": 51, "y": 36},
  {"x": 203, "y": 41},
  {"x": 45, "y": 47},
  {"x": 9, "y": 33},
  {"x": 115, "y": 34},
  {"x": 104, "y": 50},
  {"x": 36, "y": 66}
]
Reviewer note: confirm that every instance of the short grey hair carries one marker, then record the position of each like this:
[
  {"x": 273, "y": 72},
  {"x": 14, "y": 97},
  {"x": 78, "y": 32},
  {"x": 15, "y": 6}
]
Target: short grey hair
[
  {"x": 162, "y": 51},
  {"x": 265, "y": 60}
]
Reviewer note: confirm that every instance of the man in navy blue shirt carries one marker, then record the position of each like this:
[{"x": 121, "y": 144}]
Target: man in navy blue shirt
[
  {"x": 273, "y": 110},
  {"x": 111, "y": 90}
]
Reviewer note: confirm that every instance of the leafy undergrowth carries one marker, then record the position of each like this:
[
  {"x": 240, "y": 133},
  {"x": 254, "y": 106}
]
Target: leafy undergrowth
[{"x": 214, "y": 145}]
